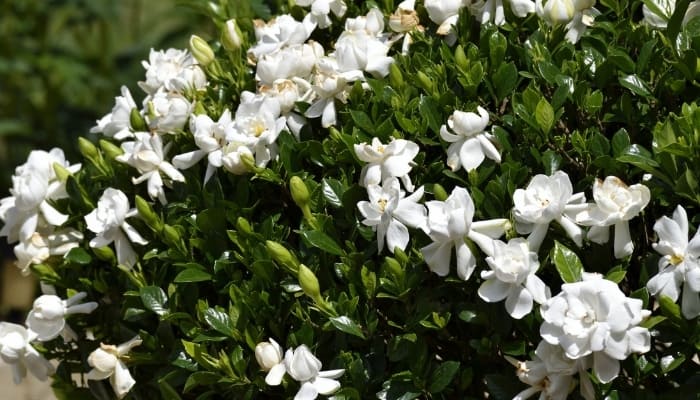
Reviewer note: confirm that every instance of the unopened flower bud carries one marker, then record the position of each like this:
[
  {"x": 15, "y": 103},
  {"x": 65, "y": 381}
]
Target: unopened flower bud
[
  {"x": 424, "y": 81},
  {"x": 249, "y": 162},
  {"x": 395, "y": 76},
  {"x": 201, "y": 51},
  {"x": 138, "y": 124},
  {"x": 87, "y": 149},
  {"x": 147, "y": 213},
  {"x": 461, "y": 58},
  {"x": 243, "y": 226},
  {"x": 268, "y": 354},
  {"x": 280, "y": 254},
  {"x": 110, "y": 150},
  {"x": 300, "y": 193},
  {"x": 61, "y": 172},
  {"x": 439, "y": 192},
  {"x": 231, "y": 36},
  {"x": 309, "y": 282},
  {"x": 105, "y": 254}
]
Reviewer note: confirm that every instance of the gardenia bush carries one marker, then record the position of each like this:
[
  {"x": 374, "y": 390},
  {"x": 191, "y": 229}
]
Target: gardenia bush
[{"x": 431, "y": 199}]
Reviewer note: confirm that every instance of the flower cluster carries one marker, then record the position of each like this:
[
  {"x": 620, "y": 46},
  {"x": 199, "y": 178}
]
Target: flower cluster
[{"x": 301, "y": 365}]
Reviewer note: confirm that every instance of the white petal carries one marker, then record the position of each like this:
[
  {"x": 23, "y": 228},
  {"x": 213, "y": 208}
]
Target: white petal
[
  {"x": 537, "y": 288},
  {"x": 122, "y": 381},
  {"x": 690, "y": 302},
  {"x": 519, "y": 303},
  {"x": 133, "y": 234},
  {"x": 599, "y": 234},
  {"x": 397, "y": 235},
  {"x": 470, "y": 154},
  {"x": 465, "y": 261},
  {"x": 187, "y": 160},
  {"x": 275, "y": 375},
  {"x": 331, "y": 373},
  {"x": 639, "y": 339},
  {"x": 493, "y": 290},
  {"x": 623, "y": 241},
  {"x": 125, "y": 253},
  {"x": 307, "y": 391},
  {"x": 51, "y": 215},
  {"x": 438, "y": 256},
  {"x": 692, "y": 277},
  {"x": 574, "y": 231},
  {"x": 605, "y": 367},
  {"x": 326, "y": 386}
]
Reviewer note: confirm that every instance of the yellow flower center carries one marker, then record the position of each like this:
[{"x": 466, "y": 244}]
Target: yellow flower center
[{"x": 676, "y": 259}]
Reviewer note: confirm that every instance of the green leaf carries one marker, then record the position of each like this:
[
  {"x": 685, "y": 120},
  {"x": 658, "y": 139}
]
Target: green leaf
[
  {"x": 78, "y": 255},
  {"x": 322, "y": 241},
  {"x": 192, "y": 275},
  {"x": 505, "y": 79},
  {"x": 652, "y": 321},
  {"x": 362, "y": 120},
  {"x": 567, "y": 263},
  {"x": 467, "y": 316},
  {"x": 220, "y": 321},
  {"x": 442, "y": 376},
  {"x": 635, "y": 85},
  {"x": 333, "y": 191},
  {"x": 544, "y": 115},
  {"x": 616, "y": 274},
  {"x": 638, "y": 156},
  {"x": 345, "y": 324},
  {"x": 429, "y": 110},
  {"x": 154, "y": 299},
  {"x": 669, "y": 307},
  {"x": 620, "y": 142}
]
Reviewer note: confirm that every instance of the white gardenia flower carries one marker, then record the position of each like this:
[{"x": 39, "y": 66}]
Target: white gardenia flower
[
  {"x": 492, "y": 10},
  {"x": 147, "y": 154},
  {"x": 288, "y": 92},
  {"x": 360, "y": 46},
  {"x": 577, "y": 15},
  {"x": 544, "y": 200},
  {"x": 549, "y": 372},
  {"x": 389, "y": 212},
  {"x": 305, "y": 368},
  {"x": 294, "y": 62},
  {"x": 107, "y": 361},
  {"x": 210, "y": 137},
  {"x": 449, "y": 223},
  {"x": 254, "y": 132},
  {"x": 48, "y": 315},
  {"x": 512, "y": 277},
  {"x": 270, "y": 358},
  {"x": 393, "y": 160},
  {"x": 108, "y": 221},
  {"x": 280, "y": 32},
  {"x": 470, "y": 144},
  {"x": 18, "y": 353},
  {"x": 615, "y": 204},
  {"x": 329, "y": 83},
  {"x": 117, "y": 124},
  {"x": 35, "y": 184},
  {"x": 173, "y": 70},
  {"x": 320, "y": 10},
  {"x": 44, "y": 243},
  {"x": 679, "y": 264},
  {"x": 594, "y": 317},
  {"x": 167, "y": 111},
  {"x": 445, "y": 13},
  {"x": 403, "y": 21}
]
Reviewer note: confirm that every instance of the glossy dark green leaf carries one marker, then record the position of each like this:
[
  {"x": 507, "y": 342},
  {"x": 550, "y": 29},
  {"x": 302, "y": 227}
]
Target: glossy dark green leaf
[
  {"x": 635, "y": 85},
  {"x": 322, "y": 241},
  {"x": 443, "y": 375},
  {"x": 78, "y": 255},
  {"x": 544, "y": 115},
  {"x": 192, "y": 275},
  {"x": 154, "y": 299},
  {"x": 219, "y": 321},
  {"x": 567, "y": 263},
  {"x": 345, "y": 324}
]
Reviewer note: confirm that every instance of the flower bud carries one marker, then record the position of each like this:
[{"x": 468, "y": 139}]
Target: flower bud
[
  {"x": 231, "y": 36},
  {"x": 110, "y": 150},
  {"x": 249, "y": 162},
  {"x": 87, "y": 149},
  {"x": 401, "y": 256},
  {"x": 395, "y": 76},
  {"x": 61, "y": 172},
  {"x": 147, "y": 213},
  {"x": 268, "y": 354},
  {"x": 201, "y": 51},
  {"x": 105, "y": 254},
  {"x": 425, "y": 82},
  {"x": 439, "y": 192},
  {"x": 300, "y": 193},
  {"x": 461, "y": 58},
  {"x": 309, "y": 282},
  {"x": 136, "y": 121},
  {"x": 243, "y": 226},
  {"x": 559, "y": 11},
  {"x": 280, "y": 254}
]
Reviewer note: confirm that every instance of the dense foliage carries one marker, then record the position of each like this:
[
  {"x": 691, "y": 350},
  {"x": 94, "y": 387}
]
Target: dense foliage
[{"x": 254, "y": 226}]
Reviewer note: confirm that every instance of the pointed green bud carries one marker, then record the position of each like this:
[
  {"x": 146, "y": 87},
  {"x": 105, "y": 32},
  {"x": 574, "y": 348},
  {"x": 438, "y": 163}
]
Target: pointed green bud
[
  {"x": 243, "y": 226},
  {"x": 61, "y": 172},
  {"x": 231, "y": 36},
  {"x": 201, "y": 51},
  {"x": 461, "y": 58},
  {"x": 87, "y": 149},
  {"x": 172, "y": 237},
  {"x": 309, "y": 283},
  {"x": 283, "y": 256},
  {"x": 147, "y": 213},
  {"x": 105, "y": 254},
  {"x": 395, "y": 76},
  {"x": 110, "y": 149},
  {"x": 439, "y": 192},
  {"x": 300, "y": 193},
  {"x": 249, "y": 162},
  {"x": 400, "y": 256},
  {"x": 138, "y": 124},
  {"x": 425, "y": 82},
  {"x": 335, "y": 134}
]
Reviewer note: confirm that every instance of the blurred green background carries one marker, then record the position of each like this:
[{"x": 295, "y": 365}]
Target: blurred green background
[{"x": 62, "y": 63}]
